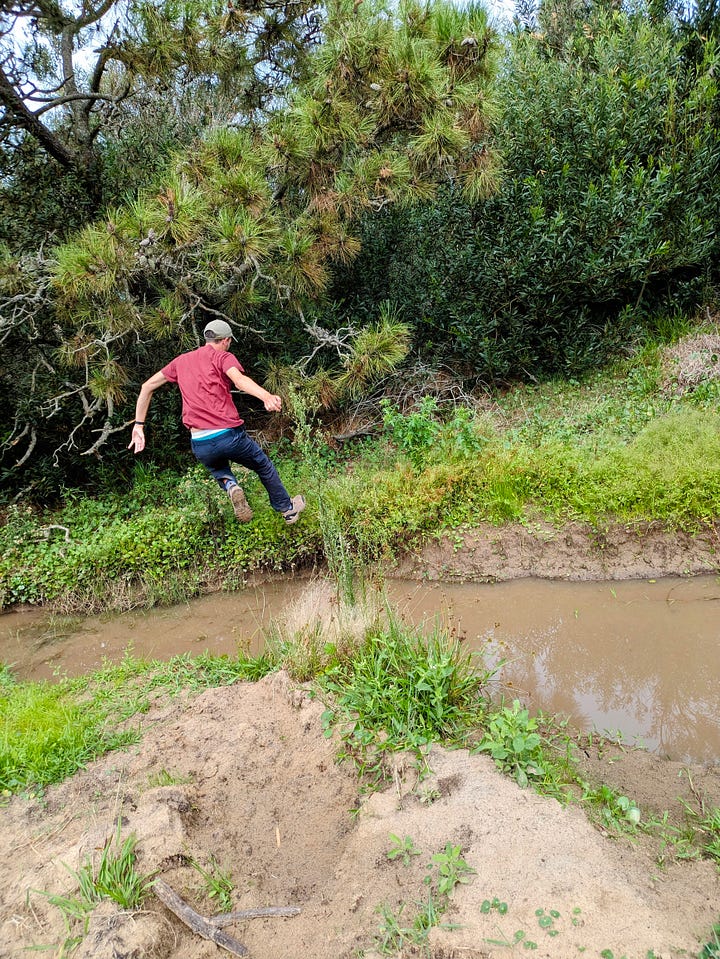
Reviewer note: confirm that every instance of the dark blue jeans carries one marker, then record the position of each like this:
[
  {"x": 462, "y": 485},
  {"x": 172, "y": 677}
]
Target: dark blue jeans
[{"x": 237, "y": 446}]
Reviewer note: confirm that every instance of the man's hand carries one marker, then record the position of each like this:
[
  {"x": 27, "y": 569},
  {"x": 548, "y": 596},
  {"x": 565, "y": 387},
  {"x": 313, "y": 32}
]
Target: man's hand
[
  {"x": 273, "y": 404},
  {"x": 137, "y": 443}
]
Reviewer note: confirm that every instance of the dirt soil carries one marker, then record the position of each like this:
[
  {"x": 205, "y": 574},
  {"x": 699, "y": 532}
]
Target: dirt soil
[
  {"x": 256, "y": 789},
  {"x": 574, "y": 551}
]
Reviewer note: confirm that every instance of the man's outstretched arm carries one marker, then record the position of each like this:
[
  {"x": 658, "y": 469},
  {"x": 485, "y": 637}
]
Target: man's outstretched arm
[
  {"x": 137, "y": 443},
  {"x": 273, "y": 403}
]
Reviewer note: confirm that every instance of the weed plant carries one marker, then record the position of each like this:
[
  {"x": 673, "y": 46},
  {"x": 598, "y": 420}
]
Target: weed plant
[
  {"x": 512, "y": 739},
  {"x": 114, "y": 877},
  {"x": 445, "y": 871},
  {"x": 452, "y": 870},
  {"x": 217, "y": 883},
  {"x": 402, "y": 691},
  {"x": 613, "y": 811},
  {"x": 402, "y": 849}
]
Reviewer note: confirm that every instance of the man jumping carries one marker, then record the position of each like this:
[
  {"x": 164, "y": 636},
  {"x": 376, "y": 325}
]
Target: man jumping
[{"x": 217, "y": 435}]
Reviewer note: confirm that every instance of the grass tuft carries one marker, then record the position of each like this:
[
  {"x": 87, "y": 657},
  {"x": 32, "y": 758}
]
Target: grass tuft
[
  {"x": 114, "y": 876},
  {"x": 403, "y": 691}
]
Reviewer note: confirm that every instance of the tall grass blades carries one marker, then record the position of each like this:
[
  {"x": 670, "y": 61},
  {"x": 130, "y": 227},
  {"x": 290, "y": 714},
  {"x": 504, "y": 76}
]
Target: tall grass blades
[
  {"x": 404, "y": 691},
  {"x": 114, "y": 877},
  {"x": 322, "y": 628}
]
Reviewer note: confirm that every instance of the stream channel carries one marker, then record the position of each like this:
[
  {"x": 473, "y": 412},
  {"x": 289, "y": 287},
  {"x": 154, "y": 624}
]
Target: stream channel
[{"x": 639, "y": 659}]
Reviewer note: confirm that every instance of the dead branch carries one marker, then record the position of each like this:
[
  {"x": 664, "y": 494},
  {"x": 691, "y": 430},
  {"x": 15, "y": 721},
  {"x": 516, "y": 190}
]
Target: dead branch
[
  {"x": 262, "y": 912},
  {"x": 46, "y": 531},
  {"x": 199, "y": 924},
  {"x": 338, "y": 340},
  {"x": 105, "y": 432},
  {"x": 354, "y": 434},
  {"x": 28, "y": 451},
  {"x": 211, "y": 928}
]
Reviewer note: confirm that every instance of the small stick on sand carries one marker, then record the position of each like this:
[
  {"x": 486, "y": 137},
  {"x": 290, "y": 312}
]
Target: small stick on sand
[
  {"x": 195, "y": 921},
  {"x": 211, "y": 928}
]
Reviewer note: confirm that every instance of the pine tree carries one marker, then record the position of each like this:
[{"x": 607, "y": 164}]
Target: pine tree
[{"x": 395, "y": 102}]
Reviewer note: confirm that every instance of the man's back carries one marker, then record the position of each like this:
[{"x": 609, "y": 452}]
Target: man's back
[{"x": 205, "y": 387}]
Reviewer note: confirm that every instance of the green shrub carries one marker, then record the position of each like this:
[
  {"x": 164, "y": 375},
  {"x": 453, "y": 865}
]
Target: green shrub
[
  {"x": 403, "y": 691},
  {"x": 606, "y": 215},
  {"x": 512, "y": 739}
]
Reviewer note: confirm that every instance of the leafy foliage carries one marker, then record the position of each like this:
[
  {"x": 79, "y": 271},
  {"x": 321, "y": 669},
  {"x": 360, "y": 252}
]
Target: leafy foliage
[
  {"x": 512, "y": 739},
  {"x": 605, "y": 215},
  {"x": 402, "y": 691}
]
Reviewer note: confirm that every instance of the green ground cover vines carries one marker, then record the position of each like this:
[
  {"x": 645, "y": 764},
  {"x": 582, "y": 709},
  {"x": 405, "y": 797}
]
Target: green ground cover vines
[{"x": 619, "y": 445}]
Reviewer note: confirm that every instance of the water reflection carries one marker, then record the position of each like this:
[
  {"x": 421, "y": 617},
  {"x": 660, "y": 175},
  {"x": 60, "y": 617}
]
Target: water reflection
[{"x": 641, "y": 658}]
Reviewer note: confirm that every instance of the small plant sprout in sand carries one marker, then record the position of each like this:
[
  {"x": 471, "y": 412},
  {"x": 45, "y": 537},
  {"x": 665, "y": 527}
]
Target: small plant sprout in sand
[
  {"x": 495, "y": 903},
  {"x": 451, "y": 869},
  {"x": 615, "y": 812},
  {"x": 166, "y": 778},
  {"x": 217, "y": 883},
  {"x": 403, "y": 849},
  {"x": 445, "y": 871},
  {"x": 113, "y": 877}
]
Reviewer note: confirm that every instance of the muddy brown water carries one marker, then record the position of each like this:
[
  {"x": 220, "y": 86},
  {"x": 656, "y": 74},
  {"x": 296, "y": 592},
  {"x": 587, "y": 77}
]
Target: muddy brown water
[{"x": 639, "y": 659}]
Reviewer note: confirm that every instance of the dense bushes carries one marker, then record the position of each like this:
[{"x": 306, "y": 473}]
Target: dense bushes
[{"x": 607, "y": 214}]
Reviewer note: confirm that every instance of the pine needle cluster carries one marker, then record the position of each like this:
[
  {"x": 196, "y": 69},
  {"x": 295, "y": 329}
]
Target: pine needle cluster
[{"x": 395, "y": 104}]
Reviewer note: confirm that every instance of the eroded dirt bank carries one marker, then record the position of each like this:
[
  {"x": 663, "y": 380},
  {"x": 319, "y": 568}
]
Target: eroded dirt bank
[
  {"x": 256, "y": 788},
  {"x": 573, "y": 551}
]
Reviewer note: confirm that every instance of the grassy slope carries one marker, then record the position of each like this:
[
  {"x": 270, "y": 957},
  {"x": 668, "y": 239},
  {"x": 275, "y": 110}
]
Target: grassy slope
[{"x": 619, "y": 445}]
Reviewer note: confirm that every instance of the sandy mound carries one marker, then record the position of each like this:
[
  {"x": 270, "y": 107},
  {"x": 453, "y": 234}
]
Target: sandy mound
[{"x": 263, "y": 795}]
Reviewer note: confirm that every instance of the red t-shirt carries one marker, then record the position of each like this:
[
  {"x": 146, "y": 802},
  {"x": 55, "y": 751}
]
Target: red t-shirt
[{"x": 205, "y": 387}]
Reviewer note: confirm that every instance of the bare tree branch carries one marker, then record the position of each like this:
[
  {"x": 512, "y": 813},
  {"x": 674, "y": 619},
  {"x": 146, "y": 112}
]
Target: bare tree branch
[
  {"x": 28, "y": 451},
  {"x": 29, "y": 122}
]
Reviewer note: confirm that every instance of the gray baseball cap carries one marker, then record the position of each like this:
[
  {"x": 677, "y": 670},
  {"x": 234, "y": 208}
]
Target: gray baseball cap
[{"x": 218, "y": 330}]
